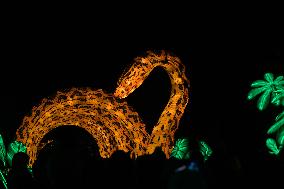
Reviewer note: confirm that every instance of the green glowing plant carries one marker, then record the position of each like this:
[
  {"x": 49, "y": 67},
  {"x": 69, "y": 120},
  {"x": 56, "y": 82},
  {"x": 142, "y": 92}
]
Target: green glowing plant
[
  {"x": 271, "y": 91},
  {"x": 7, "y": 156},
  {"x": 271, "y": 144},
  {"x": 2, "y": 178},
  {"x": 2, "y": 150},
  {"x": 268, "y": 88},
  {"x": 278, "y": 124},
  {"x": 14, "y": 148},
  {"x": 181, "y": 149},
  {"x": 205, "y": 150},
  {"x": 3, "y": 159}
]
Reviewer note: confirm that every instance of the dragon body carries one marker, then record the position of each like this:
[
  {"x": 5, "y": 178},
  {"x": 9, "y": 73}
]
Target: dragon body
[{"x": 107, "y": 117}]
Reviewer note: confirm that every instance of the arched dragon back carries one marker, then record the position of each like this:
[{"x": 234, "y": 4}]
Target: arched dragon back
[{"x": 107, "y": 117}]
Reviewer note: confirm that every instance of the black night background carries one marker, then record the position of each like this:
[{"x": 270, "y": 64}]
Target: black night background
[{"x": 221, "y": 63}]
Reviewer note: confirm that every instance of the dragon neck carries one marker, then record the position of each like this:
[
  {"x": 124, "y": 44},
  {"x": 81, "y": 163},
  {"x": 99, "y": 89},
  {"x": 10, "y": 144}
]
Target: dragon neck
[{"x": 163, "y": 132}]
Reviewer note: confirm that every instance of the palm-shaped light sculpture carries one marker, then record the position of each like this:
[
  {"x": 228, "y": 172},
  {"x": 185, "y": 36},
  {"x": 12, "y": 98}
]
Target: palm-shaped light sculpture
[
  {"x": 268, "y": 88},
  {"x": 7, "y": 156},
  {"x": 272, "y": 91}
]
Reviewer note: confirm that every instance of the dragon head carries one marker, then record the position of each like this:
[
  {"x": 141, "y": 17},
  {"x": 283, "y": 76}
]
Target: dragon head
[{"x": 133, "y": 77}]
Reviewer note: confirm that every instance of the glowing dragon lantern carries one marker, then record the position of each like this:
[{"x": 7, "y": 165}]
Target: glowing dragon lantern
[
  {"x": 107, "y": 117},
  {"x": 163, "y": 132}
]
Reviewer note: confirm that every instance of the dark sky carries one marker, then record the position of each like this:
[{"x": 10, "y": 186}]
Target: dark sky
[{"x": 42, "y": 57}]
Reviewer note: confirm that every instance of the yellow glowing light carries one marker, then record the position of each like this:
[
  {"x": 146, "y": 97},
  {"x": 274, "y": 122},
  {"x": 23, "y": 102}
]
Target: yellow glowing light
[{"x": 111, "y": 121}]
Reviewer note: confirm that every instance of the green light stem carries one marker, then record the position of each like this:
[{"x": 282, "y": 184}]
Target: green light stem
[{"x": 3, "y": 180}]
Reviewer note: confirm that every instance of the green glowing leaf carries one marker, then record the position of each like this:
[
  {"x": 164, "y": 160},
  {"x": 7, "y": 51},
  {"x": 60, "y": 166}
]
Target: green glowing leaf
[
  {"x": 278, "y": 79},
  {"x": 280, "y": 89},
  {"x": 269, "y": 77},
  {"x": 258, "y": 83},
  {"x": 278, "y": 97},
  {"x": 280, "y": 139},
  {"x": 274, "y": 100},
  {"x": 181, "y": 149},
  {"x": 280, "y": 116},
  {"x": 269, "y": 86},
  {"x": 2, "y": 150},
  {"x": 254, "y": 92},
  {"x": 279, "y": 123},
  {"x": 264, "y": 100},
  {"x": 2, "y": 178},
  {"x": 271, "y": 144},
  {"x": 205, "y": 150},
  {"x": 280, "y": 136},
  {"x": 281, "y": 82},
  {"x": 14, "y": 148}
]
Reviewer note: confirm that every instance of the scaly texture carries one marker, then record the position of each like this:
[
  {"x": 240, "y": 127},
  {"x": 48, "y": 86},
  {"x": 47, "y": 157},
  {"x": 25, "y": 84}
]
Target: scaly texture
[
  {"x": 109, "y": 119},
  {"x": 112, "y": 123},
  {"x": 163, "y": 132}
]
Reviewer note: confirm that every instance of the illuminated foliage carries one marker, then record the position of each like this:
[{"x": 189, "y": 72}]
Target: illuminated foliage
[
  {"x": 3, "y": 159},
  {"x": 271, "y": 144},
  {"x": 14, "y": 148},
  {"x": 205, "y": 150},
  {"x": 3, "y": 179},
  {"x": 266, "y": 87},
  {"x": 273, "y": 92},
  {"x": 2, "y": 150},
  {"x": 279, "y": 123},
  {"x": 181, "y": 149},
  {"x": 280, "y": 137},
  {"x": 278, "y": 97},
  {"x": 7, "y": 156},
  {"x": 107, "y": 117}
]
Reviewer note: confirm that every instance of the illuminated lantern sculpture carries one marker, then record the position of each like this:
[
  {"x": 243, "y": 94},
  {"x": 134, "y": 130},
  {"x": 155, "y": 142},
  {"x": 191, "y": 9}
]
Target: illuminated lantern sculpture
[
  {"x": 181, "y": 149},
  {"x": 107, "y": 117},
  {"x": 271, "y": 90}
]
